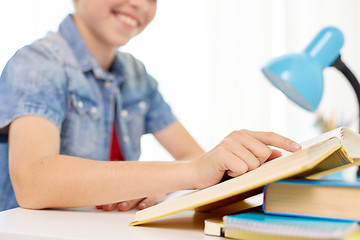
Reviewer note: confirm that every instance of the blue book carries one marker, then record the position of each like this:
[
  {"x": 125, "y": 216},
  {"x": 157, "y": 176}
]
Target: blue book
[
  {"x": 257, "y": 225},
  {"x": 313, "y": 198}
]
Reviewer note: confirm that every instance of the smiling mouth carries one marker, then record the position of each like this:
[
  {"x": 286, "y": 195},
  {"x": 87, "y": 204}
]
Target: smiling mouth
[{"x": 127, "y": 20}]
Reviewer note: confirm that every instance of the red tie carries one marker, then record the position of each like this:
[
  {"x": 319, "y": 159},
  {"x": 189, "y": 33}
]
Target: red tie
[{"x": 115, "y": 150}]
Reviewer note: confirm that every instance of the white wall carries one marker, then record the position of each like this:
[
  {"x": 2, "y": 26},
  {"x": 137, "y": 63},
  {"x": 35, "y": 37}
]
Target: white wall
[
  {"x": 207, "y": 55},
  {"x": 23, "y": 21}
]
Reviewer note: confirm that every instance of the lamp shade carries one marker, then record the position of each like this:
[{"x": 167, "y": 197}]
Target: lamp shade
[{"x": 300, "y": 76}]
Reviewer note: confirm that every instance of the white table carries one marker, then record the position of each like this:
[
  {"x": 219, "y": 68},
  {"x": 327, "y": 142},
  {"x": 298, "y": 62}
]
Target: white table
[{"x": 89, "y": 223}]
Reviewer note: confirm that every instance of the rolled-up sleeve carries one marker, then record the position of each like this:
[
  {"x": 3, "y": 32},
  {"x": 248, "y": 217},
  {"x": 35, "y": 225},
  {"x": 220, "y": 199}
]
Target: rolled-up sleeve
[{"x": 32, "y": 83}]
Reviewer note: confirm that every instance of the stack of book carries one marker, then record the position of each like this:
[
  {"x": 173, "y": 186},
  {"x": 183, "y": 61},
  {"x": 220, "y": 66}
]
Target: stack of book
[
  {"x": 300, "y": 208},
  {"x": 309, "y": 207},
  {"x": 297, "y": 209}
]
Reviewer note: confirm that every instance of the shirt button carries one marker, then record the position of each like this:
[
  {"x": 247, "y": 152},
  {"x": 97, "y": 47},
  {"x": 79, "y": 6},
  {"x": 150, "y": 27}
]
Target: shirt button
[
  {"x": 126, "y": 139},
  {"x": 124, "y": 113},
  {"x": 93, "y": 110},
  {"x": 142, "y": 105},
  {"x": 80, "y": 104},
  {"x": 97, "y": 72},
  {"x": 107, "y": 84}
]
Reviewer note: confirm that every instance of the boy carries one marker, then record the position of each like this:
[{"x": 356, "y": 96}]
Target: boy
[{"x": 71, "y": 101}]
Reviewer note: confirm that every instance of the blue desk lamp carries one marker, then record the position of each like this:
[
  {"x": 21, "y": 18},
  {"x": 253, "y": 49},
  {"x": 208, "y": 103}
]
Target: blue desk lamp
[{"x": 300, "y": 76}]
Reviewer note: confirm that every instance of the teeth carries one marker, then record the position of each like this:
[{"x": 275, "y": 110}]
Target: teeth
[{"x": 128, "y": 20}]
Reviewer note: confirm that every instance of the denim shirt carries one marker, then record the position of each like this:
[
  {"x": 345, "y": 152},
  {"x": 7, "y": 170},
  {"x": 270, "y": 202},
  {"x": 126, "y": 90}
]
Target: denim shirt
[{"x": 57, "y": 78}]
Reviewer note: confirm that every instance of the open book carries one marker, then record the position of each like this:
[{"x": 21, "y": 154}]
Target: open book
[{"x": 328, "y": 153}]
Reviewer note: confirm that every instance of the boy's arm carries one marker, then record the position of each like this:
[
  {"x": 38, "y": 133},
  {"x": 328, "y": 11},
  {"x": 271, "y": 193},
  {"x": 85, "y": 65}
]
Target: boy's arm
[
  {"x": 178, "y": 142},
  {"x": 42, "y": 178}
]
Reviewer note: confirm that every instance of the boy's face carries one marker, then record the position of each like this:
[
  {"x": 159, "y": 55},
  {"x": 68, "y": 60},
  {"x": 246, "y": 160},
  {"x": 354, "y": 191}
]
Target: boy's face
[{"x": 113, "y": 22}]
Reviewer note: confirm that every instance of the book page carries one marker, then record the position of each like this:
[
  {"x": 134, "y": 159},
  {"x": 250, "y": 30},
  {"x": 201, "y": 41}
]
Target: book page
[
  {"x": 349, "y": 139},
  {"x": 351, "y": 142},
  {"x": 322, "y": 137},
  {"x": 312, "y": 141}
]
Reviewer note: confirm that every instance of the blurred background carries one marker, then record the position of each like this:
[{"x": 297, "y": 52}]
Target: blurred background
[{"x": 207, "y": 56}]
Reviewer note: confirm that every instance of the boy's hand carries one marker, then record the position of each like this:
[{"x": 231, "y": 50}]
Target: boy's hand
[
  {"x": 240, "y": 152},
  {"x": 141, "y": 203}
]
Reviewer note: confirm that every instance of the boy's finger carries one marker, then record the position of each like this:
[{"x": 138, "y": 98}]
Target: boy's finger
[
  {"x": 257, "y": 148},
  {"x": 150, "y": 201},
  {"x": 127, "y": 205},
  {"x": 147, "y": 202},
  {"x": 276, "y": 140},
  {"x": 109, "y": 207},
  {"x": 275, "y": 154}
]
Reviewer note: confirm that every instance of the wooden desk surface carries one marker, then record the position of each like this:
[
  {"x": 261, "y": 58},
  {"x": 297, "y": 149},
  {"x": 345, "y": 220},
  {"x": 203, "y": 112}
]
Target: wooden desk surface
[{"x": 89, "y": 223}]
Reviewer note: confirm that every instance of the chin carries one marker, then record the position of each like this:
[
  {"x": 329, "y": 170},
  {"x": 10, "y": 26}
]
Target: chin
[{"x": 120, "y": 42}]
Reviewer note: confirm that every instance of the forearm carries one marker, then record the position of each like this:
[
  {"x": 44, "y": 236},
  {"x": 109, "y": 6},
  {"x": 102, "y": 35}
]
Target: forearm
[{"x": 64, "y": 181}]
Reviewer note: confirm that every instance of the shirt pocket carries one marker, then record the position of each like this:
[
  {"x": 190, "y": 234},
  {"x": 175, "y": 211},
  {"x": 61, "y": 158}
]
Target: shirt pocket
[
  {"x": 135, "y": 120},
  {"x": 81, "y": 128}
]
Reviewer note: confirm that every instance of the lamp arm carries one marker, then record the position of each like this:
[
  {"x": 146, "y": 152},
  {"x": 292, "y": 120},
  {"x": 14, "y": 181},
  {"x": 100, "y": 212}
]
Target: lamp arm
[{"x": 340, "y": 65}]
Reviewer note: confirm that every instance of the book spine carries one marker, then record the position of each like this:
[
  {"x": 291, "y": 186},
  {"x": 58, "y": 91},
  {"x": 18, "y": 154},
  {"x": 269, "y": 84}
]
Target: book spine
[{"x": 264, "y": 197}]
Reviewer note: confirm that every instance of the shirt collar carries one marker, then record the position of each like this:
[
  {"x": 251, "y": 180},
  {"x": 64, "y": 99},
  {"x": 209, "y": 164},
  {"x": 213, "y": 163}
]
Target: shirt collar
[{"x": 85, "y": 59}]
